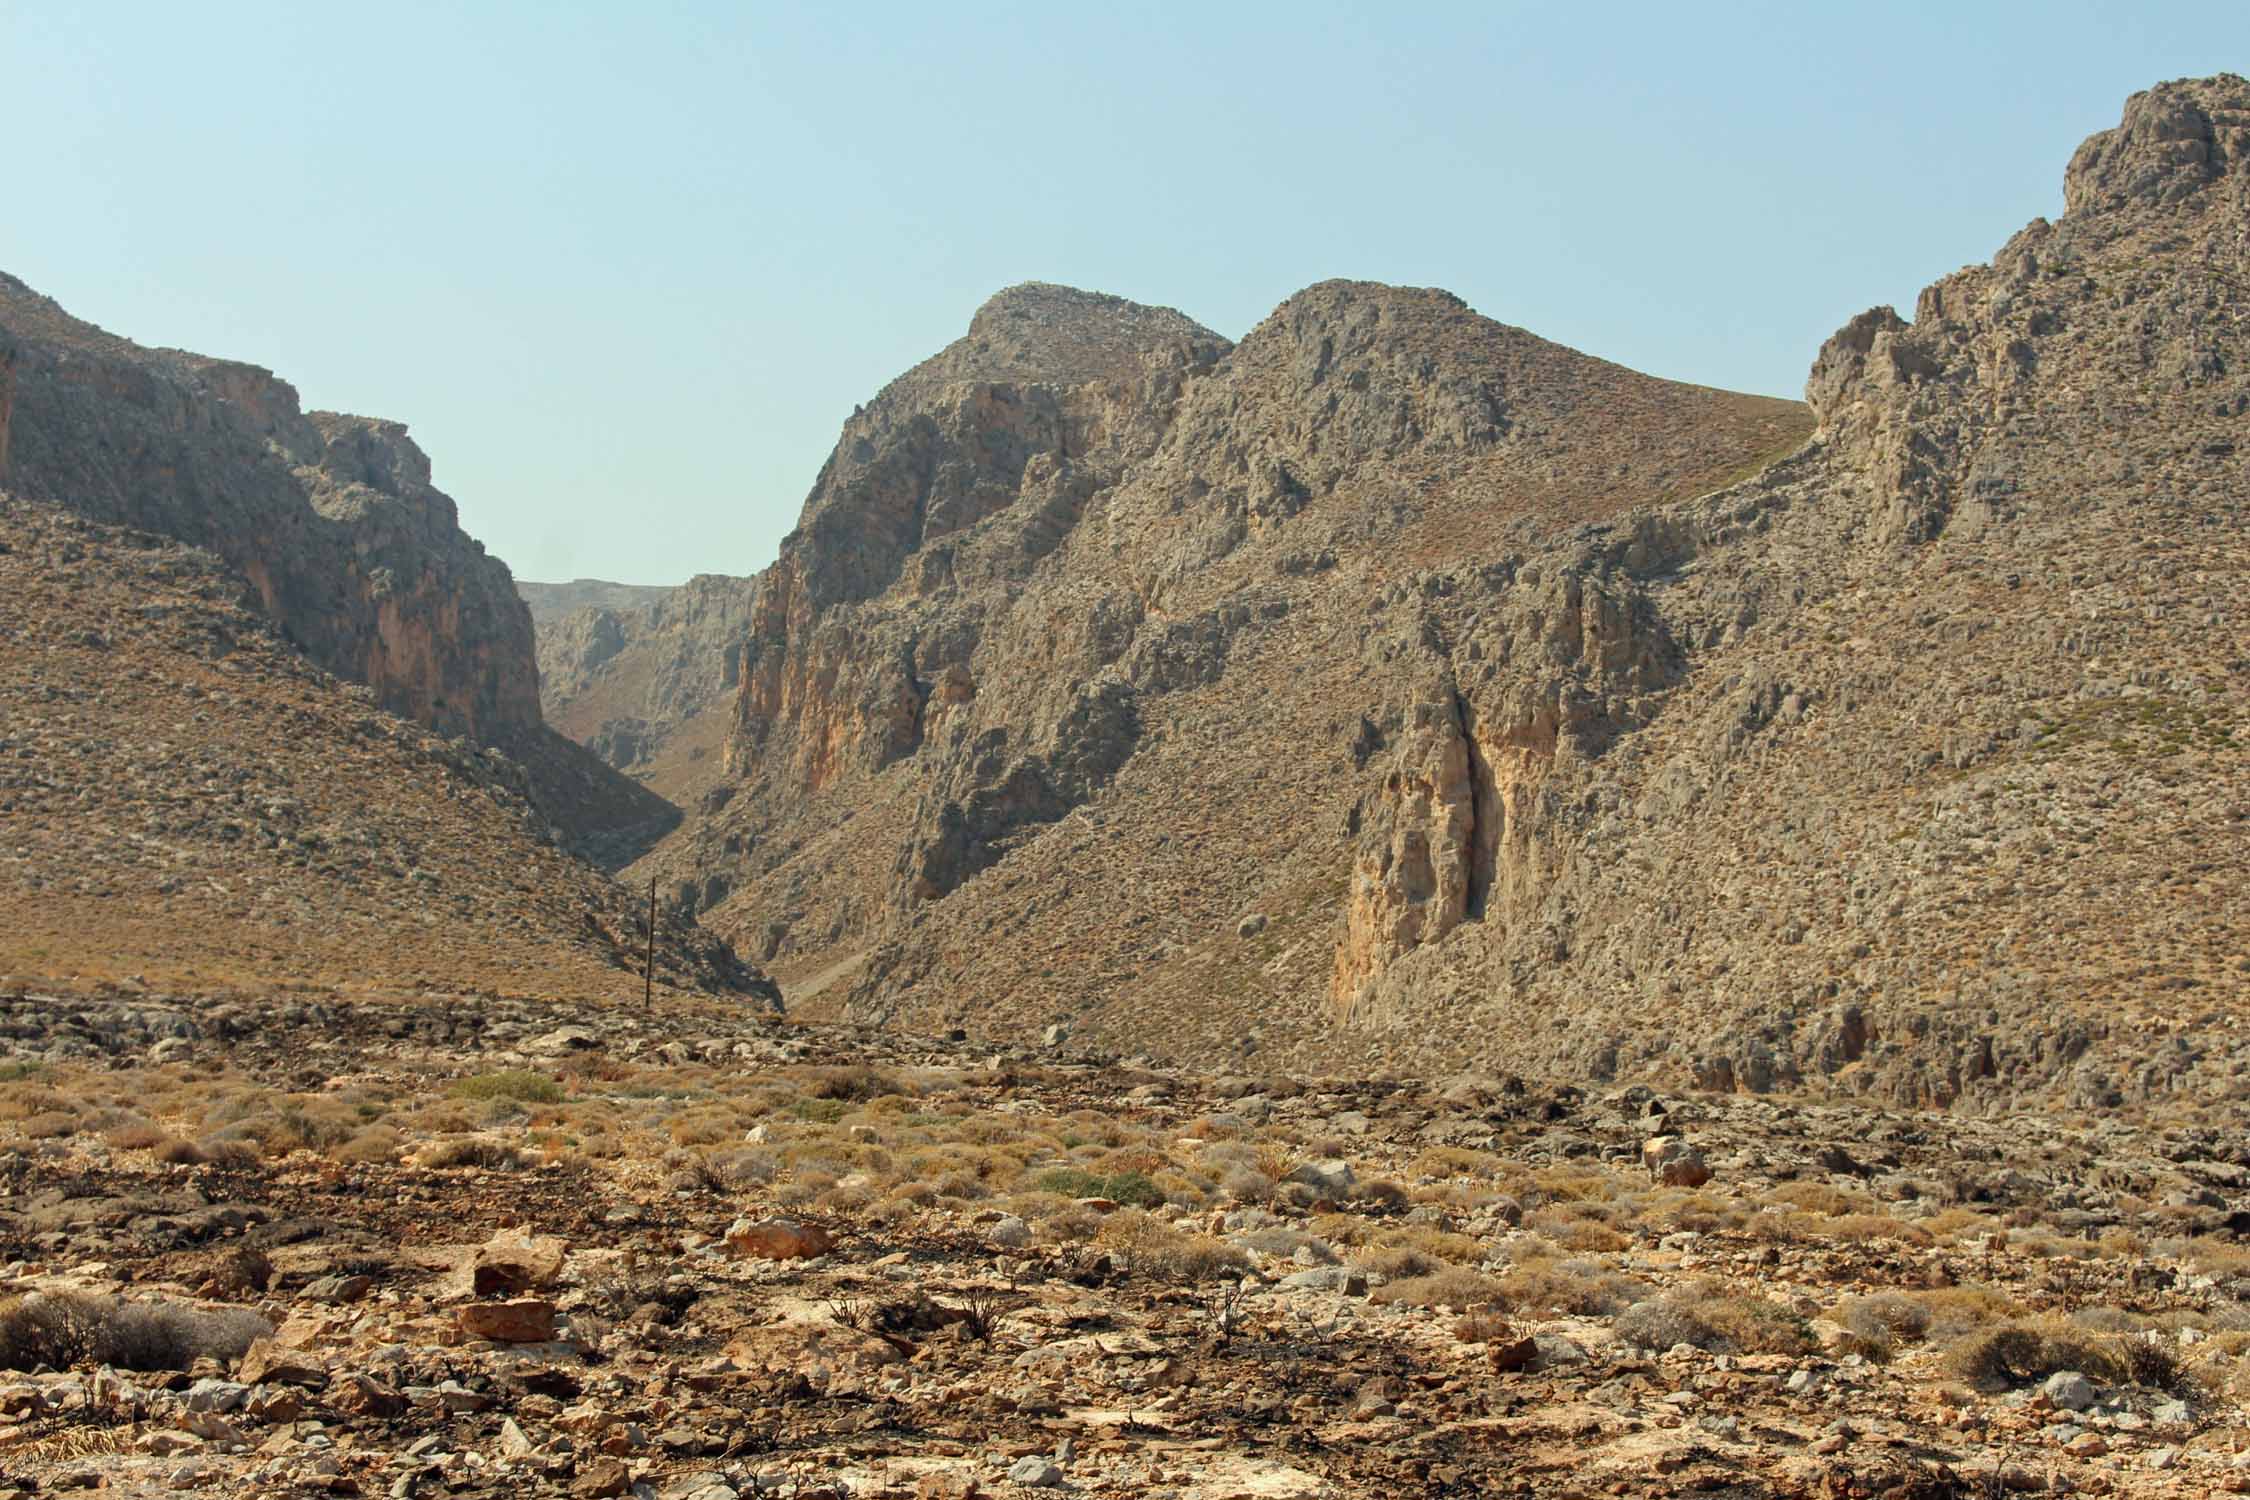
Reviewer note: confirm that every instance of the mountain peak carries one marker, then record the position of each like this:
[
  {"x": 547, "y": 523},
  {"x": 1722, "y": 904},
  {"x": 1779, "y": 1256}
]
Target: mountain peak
[
  {"x": 1039, "y": 332},
  {"x": 2175, "y": 140}
]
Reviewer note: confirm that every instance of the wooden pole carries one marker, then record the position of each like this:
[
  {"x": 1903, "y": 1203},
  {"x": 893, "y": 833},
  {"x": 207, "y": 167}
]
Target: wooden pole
[{"x": 648, "y": 975}]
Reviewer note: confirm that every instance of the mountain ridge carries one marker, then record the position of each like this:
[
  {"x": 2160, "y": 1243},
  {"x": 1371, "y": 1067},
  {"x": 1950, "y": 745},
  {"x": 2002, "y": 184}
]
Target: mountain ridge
[{"x": 1507, "y": 615}]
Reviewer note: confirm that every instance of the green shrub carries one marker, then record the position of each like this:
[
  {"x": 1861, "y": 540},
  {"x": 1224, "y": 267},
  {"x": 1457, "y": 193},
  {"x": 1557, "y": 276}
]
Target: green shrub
[
  {"x": 1133, "y": 1189},
  {"x": 510, "y": 1083}
]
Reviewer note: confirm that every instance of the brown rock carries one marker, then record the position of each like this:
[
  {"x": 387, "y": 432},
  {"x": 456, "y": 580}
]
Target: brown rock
[
  {"x": 778, "y": 1239},
  {"x": 1514, "y": 1354},
  {"x": 513, "y": 1262},
  {"x": 601, "y": 1479},
  {"x": 524, "y": 1320},
  {"x": 1673, "y": 1162},
  {"x": 267, "y": 1362},
  {"x": 359, "y": 1395}
]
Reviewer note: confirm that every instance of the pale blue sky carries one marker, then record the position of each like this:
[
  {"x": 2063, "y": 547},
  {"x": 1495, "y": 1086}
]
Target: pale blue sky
[{"x": 624, "y": 269}]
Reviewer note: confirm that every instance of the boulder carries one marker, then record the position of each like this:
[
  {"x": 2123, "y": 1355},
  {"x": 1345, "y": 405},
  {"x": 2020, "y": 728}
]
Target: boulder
[
  {"x": 513, "y": 1262},
  {"x": 601, "y": 1479},
  {"x": 1332, "y": 1178},
  {"x": 778, "y": 1239},
  {"x": 522, "y": 1320},
  {"x": 1673, "y": 1162},
  {"x": 268, "y": 1363}
]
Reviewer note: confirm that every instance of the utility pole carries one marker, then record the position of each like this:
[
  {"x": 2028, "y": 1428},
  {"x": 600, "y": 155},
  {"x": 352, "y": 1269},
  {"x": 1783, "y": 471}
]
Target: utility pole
[{"x": 648, "y": 975}]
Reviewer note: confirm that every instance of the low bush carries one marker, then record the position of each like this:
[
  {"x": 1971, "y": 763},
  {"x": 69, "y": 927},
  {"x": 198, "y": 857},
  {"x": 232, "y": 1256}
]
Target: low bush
[
  {"x": 1713, "y": 1319},
  {"x": 64, "y": 1330},
  {"x": 1133, "y": 1189},
  {"x": 468, "y": 1151},
  {"x": 1579, "y": 1288},
  {"x": 2027, "y": 1351},
  {"x": 1456, "y": 1288},
  {"x": 518, "y": 1084}
]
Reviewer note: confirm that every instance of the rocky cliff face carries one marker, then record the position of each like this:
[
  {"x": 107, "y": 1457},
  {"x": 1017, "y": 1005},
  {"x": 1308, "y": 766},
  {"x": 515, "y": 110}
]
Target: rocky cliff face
[
  {"x": 1909, "y": 780},
  {"x": 1091, "y": 546},
  {"x": 330, "y": 519},
  {"x": 189, "y": 800},
  {"x": 649, "y": 689},
  {"x": 1397, "y": 684}
]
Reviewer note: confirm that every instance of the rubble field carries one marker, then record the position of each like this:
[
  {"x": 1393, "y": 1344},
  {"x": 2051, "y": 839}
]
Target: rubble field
[{"x": 310, "y": 1243}]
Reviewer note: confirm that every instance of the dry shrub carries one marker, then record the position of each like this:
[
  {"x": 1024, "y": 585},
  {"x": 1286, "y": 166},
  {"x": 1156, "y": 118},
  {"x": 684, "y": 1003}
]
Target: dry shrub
[
  {"x": 853, "y": 1084},
  {"x": 1436, "y": 1244},
  {"x": 1453, "y": 1161},
  {"x": 2211, "y": 1255},
  {"x": 1572, "y": 1231},
  {"x": 281, "y": 1125},
  {"x": 1956, "y": 1310},
  {"x": 1574, "y": 1184},
  {"x": 517, "y": 1085},
  {"x": 1709, "y": 1317},
  {"x": 1695, "y": 1213},
  {"x": 1864, "y": 1227},
  {"x": 1145, "y": 1245},
  {"x": 1395, "y": 1262},
  {"x": 1483, "y": 1328},
  {"x": 1456, "y": 1288},
  {"x": 846, "y": 1198},
  {"x": 2021, "y": 1353},
  {"x": 1888, "y": 1317},
  {"x": 137, "y": 1135},
  {"x": 1382, "y": 1195},
  {"x": 702, "y": 1127},
  {"x": 1247, "y": 1185},
  {"x": 230, "y": 1155},
  {"x": 1577, "y": 1287},
  {"x": 739, "y": 1171},
  {"x": 48, "y": 1125},
  {"x": 962, "y": 1186},
  {"x": 22, "y": 1101},
  {"x": 1072, "y": 1225},
  {"x": 1820, "y": 1198},
  {"x": 68, "y": 1329},
  {"x": 377, "y": 1145},
  {"x": 1959, "y": 1223},
  {"x": 468, "y": 1151}
]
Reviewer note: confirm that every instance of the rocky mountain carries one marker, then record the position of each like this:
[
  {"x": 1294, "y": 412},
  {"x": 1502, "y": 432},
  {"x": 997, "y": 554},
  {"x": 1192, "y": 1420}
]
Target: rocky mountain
[
  {"x": 269, "y": 710},
  {"x": 650, "y": 687},
  {"x": 1092, "y": 556},
  {"x": 331, "y": 520},
  {"x": 1398, "y": 685},
  {"x": 554, "y": 601},
  {"x": 187, "y": 800}
]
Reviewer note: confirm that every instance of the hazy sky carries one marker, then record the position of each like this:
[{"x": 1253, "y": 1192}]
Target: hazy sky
[{"x": 624, "y": 269}]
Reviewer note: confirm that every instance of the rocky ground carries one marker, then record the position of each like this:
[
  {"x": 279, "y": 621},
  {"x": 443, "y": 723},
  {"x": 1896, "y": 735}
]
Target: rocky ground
[{"x": 293, "y": 1245}]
